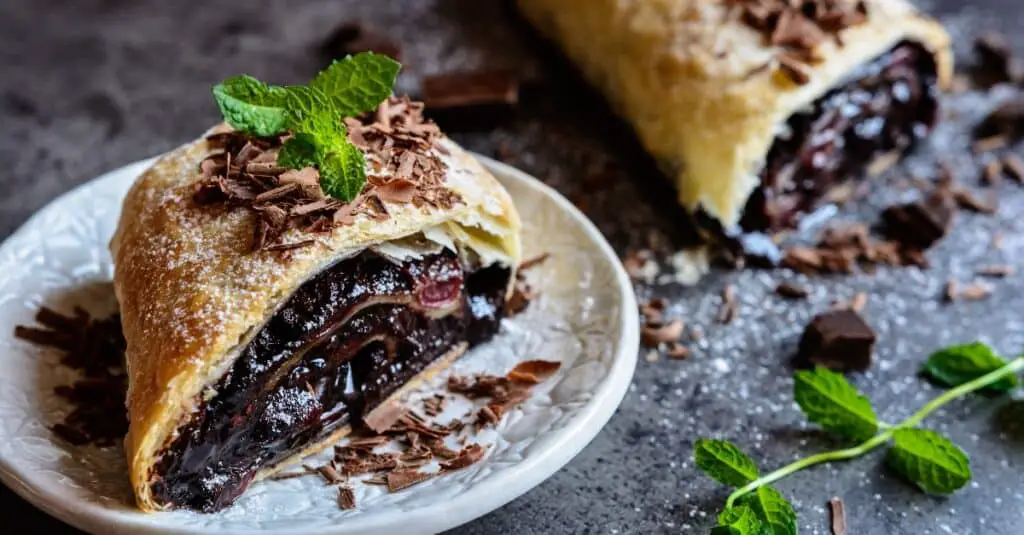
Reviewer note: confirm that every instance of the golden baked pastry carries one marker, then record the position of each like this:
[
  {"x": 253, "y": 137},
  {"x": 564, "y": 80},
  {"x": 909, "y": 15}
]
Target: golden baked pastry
[
  {"x": 757, "y": 108},
  {"x": 241, "y": 361}
]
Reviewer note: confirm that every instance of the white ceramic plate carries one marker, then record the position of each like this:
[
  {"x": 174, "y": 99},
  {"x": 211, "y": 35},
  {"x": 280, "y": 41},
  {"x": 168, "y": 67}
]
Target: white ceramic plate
[{"x": 584, "y": 318}]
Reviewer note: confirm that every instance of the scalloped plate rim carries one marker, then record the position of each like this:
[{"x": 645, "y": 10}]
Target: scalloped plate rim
[{"x": 489, "y": 495}]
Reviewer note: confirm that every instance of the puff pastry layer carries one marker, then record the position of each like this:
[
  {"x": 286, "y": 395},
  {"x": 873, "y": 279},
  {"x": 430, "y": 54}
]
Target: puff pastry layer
[{"x": 705, "y": 95}]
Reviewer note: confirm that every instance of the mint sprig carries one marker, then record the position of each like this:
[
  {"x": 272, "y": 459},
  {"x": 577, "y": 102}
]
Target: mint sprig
[
  {"x": 955, "y": 365},
  {"x": 829, "y": 401},
  {"x": 724, "y": 462},
  {"x": 929, "y": 460},
  {"x": 314, "y": 115},
  {"x": 251, "y": 105},
  {"x": 740, "y": 520},
  {"x": 925, "y": 458}
]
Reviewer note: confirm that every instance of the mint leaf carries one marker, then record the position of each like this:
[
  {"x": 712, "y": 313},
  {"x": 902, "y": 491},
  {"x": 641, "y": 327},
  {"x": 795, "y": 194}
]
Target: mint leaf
[
  {"x": 311, "y": 111},
  {"x": 359, "y": 83},
  {"x": 343, "y": 172},
  {"x": 250, "y": 105},
  {"x": 772, "y": 509},
  {"x": 722, "y": 461},
  {"x": 739, "y": 520},
  {"x": 298, "y": 152},
  {"x": 831, "y": 402},
  {"x": 956, "y": 365},
  {"x": 929, "y": 460}
]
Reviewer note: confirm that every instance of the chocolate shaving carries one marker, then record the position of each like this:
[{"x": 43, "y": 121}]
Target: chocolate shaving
[
  {"x": 533, "y": 371},
  {"x": 727, "y": 312},
  {"x": 281, "y": 476},
  {"x": 677, "y": 351},
  {"x": 1014, "y": 167},
  {"x": 791, "y": 290},
  {"x": 535, "y": 261},
  {"x": 330, "y": 474},
  {"x": 990, "y": 144},
  {"x": 974, "y": 292},
  {"x": 353, "y": 38},
  {"x": 838, "y": 516},
  {"x": 467, "y": 456},
  {"x": 967, "y": 201},
  {"x": 346, "y": 498},
  {"x": 798, "y": 27},
  {"x": 997, "y": 270},
  {"x": 654, "y": 334},
  {"x": 996, "y": 63},
  {"x": 950, "y": 291},
  {"x": 403, "y": 479},
  {"x": 397, "y": 140},
  {"x": 96, "y": 348}
]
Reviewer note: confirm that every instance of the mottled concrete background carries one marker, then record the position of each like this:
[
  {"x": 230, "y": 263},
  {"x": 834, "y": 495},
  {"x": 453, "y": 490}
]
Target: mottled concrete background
[{"x": 89, "y": 85}]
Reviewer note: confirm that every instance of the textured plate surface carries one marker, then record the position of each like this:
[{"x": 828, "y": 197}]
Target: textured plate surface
[{"x": 585, "y": 318}]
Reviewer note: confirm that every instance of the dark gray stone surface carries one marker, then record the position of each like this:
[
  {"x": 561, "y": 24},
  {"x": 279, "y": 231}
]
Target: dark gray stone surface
[{"x": 90, "y": 85}]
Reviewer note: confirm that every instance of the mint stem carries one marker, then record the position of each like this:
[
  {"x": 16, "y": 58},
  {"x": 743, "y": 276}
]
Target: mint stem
[{"x": 883, "y": 436}]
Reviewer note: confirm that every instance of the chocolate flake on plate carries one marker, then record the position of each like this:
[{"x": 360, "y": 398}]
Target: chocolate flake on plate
[
  {"x": 346, "y": 498},
  {"x": 839, "y": 339},
  {"x": 96, "y": 348},
  {"x": 403, "y": 479},
  {"x": 467, "y": 456},
  {"x": 533, "y": 372}
]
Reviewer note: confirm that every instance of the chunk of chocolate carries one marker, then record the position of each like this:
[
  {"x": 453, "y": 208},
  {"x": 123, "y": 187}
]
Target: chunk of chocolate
[
  {"x": 353, "y": 38},
  {"x": 996, "y": 63},
  {"x": 920, "y": 224},
  {"x": 471, "y": 100},
  {"x": 1007, "y": 119},
  {"x": 839, "y": 340}
]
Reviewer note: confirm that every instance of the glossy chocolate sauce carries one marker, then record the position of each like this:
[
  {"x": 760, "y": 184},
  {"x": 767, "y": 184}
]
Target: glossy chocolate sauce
[
  {"x": 344, "y": 342},
  {"x": 888, "y": 105}
]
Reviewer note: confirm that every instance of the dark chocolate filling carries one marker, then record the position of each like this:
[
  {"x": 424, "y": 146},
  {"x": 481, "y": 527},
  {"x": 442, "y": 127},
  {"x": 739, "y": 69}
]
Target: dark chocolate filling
[
  {"x": 887, "y": 106},
  {"x": 344, "y": 342}
]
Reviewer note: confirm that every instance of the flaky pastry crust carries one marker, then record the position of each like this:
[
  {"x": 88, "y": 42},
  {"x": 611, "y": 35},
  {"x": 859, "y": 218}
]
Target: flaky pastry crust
[
  {"x": 192, "y": 293},
  {"x": 692, "y": 80}
]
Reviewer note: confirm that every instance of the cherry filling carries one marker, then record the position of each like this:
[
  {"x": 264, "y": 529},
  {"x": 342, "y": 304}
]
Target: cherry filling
[
  {"x": 887, "y": 106},
  {"x": 344, "y": 342}
]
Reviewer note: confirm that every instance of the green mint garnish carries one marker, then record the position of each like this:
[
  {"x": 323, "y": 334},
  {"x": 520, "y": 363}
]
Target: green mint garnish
[
  {"x": 739, "y": 520},
  {"x": 925, "y": 458},
  {"x": 955, "y": 365},
  {"x": 929, "y": 460},
  {"x": 358, "y": 86},
  {"x": 250, "y": 105},
  {"x": 772, "y": 509},
  {"x": 343, "y": 173},
  {"x": 724, "y": 462},
  {"x": 831, "y": 402},
  {"x": 314, "y": 115}
]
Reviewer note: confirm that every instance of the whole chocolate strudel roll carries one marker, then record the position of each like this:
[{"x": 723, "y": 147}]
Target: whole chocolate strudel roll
[
  {"x": 758, "y": 109},
  {"x": 264, "y": 319}
]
